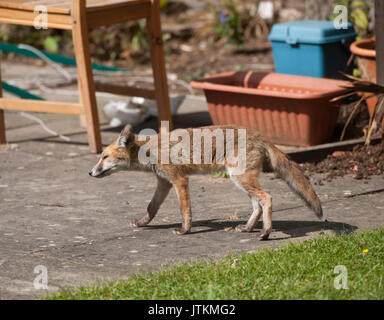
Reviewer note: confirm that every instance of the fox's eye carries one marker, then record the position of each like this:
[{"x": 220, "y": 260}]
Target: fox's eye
[{"x": 105, "y": 157}]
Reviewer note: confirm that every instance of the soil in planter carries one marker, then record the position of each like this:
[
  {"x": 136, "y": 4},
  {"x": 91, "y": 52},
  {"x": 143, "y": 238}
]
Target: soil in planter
[{"x": 361, "y": 163}]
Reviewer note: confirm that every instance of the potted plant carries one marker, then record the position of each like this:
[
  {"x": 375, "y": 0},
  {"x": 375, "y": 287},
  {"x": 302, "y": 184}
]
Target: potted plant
[
  {"x": 365, "y": 52},
  {"x": 364, "y": 47}
]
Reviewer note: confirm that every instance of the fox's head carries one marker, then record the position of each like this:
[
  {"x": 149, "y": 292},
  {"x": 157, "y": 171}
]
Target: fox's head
[{"x": 116, "y": 156}]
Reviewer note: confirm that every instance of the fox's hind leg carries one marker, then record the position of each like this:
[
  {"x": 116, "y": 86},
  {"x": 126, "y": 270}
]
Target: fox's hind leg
[
  {"x": 162, "y": 190},
  {"x": 182, "y": 191},
  {"x": 248, "y": 183},
  {"x": 255, "y": 216},
  {"x": 266, "y": 204}
]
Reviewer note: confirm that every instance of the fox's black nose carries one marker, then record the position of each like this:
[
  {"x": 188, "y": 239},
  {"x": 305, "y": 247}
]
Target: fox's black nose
[{"x": 90, "y": 173}]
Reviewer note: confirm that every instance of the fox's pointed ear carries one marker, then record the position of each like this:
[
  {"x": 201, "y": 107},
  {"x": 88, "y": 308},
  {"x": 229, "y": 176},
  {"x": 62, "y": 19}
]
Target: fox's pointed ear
[{"x": 126, "y": 137}]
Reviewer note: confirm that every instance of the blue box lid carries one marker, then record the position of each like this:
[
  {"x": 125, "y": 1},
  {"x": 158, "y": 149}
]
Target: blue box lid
[{"x": 310, "y": 31}]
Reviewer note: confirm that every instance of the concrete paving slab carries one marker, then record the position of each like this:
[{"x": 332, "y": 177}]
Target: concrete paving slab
[
  {"x": 14, "y": 120},
  {"x": 53, "y": 214}
]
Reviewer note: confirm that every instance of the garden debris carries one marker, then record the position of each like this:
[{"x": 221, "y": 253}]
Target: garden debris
[
  {"x": 370, "y": 89},
  {"x": 361, "y": 162},
  {"x": 137, "y": 110},
  {"x": 338, "y": 154},
  {"x": 9, "y": 147}
]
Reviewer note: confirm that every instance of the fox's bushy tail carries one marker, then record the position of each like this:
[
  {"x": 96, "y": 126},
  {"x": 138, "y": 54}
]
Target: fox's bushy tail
[{"x": 293, "y": 176}]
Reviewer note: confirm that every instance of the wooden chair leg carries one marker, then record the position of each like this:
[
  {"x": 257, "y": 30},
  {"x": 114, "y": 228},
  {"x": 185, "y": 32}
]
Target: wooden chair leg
[
  {"x": 2, "y": 128},
  {"x": 2, "y": 120},
  {"x": 158, "y": 64},
  {"x": 85, "y": 76}
]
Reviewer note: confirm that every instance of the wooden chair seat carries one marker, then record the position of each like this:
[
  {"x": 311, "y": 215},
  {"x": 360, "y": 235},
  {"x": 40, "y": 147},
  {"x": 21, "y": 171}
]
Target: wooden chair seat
[
  {"x": 79, "y": 16},
  {"x": 65, "y": 6},
  {"x": 99, "y": 12}
]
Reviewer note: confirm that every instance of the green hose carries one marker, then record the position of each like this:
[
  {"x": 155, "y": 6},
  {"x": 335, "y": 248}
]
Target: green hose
[
  {"x": 19, "y": 92},
  {"x": 11, "y": 48}
]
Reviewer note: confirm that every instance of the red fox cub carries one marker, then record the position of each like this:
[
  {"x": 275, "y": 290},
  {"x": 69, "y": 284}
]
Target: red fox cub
[{"x": 173, "y": 160}]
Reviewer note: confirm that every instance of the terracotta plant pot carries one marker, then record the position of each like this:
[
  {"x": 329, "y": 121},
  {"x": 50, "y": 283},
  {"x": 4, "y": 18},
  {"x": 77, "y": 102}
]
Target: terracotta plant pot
[
  {"x": 287, "y": 109},
  {"x": 365, "y": 51}
]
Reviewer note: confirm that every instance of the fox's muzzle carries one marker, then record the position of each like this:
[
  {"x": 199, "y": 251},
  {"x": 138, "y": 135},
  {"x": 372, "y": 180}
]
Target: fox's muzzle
[
  {"x": 97, "y": 172},
  {"x": 102, "y": 169}
]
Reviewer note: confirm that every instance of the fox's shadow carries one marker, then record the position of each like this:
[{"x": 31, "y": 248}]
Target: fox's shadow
[{"x": 293, "y": 228}]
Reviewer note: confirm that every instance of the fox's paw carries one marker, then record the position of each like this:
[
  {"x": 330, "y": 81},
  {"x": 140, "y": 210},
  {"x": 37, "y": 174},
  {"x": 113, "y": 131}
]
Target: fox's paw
[
  {"x": 180, "y": 231},
  {"x": 264, "y": 235},
  {"x": 242, "y": 228},
  {"x": 138, "y": 223}
]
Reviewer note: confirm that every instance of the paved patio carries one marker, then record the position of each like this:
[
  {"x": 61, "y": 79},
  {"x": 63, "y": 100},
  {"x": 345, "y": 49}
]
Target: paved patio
[{"x": 53, "y": 214}]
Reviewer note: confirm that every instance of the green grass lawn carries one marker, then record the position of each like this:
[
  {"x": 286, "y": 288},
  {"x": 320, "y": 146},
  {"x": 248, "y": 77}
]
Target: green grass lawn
[{"x": 294, "y": 271}]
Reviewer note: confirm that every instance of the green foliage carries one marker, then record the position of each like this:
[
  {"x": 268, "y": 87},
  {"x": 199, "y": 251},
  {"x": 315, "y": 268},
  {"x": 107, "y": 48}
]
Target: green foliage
[
  {"x": 293, "y": 271},
  {"x": 51, "y": 43},
  {"x": 163, "y": 3},
  {"x": 195, "y": 75},
  {"x": 356, "y": 73},
  {"x": 119, "y": 41},
  {"x": 221, "y": 174},
  {"x": 238, "y": 21},
  {"x": 358, "y": 14},
  {"x": 230, "y": 23},
  {"x": 139, "y": 40}
]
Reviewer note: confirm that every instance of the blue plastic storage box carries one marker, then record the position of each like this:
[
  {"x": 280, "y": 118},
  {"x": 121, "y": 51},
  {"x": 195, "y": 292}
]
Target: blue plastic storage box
[{"x": 311, "y": 48}]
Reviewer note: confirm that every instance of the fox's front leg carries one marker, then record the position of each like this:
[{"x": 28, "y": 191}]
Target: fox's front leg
[
  {"x": 162, "y": 190},
  {"x": 181, "y": 187}
]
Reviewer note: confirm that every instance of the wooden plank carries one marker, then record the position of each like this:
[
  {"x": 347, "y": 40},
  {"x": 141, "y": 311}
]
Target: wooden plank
[
  {"x": 27, "y": 18},
  {"x": 3, "y": 138},
  {"x": 158, "y": 64},
  {"x": 94, "y": 5},
  {"x": 320, "y": 151},
  {"x": 379, "y": 31},
  {"x": 125, "y": 91},
  {"x": 2, "y": 120},
  {"x": 113, "y": 15},
  {"x": 53, "y": 6},
  {"x": 85, "y": 76},
  {"x": 65, "y": 6},
  {"x": 41, "y": 106}
]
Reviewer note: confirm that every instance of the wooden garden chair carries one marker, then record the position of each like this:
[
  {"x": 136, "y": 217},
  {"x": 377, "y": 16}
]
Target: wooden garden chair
[{"x": 79, "y": 16}]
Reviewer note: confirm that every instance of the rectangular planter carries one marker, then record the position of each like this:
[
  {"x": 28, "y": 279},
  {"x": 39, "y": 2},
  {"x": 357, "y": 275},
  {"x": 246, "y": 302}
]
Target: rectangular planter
[{"x": 286, "y": 109}]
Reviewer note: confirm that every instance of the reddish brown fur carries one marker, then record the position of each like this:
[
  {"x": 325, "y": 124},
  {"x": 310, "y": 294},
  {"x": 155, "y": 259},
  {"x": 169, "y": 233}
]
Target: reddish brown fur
[{"x": 259, "y": 153}]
